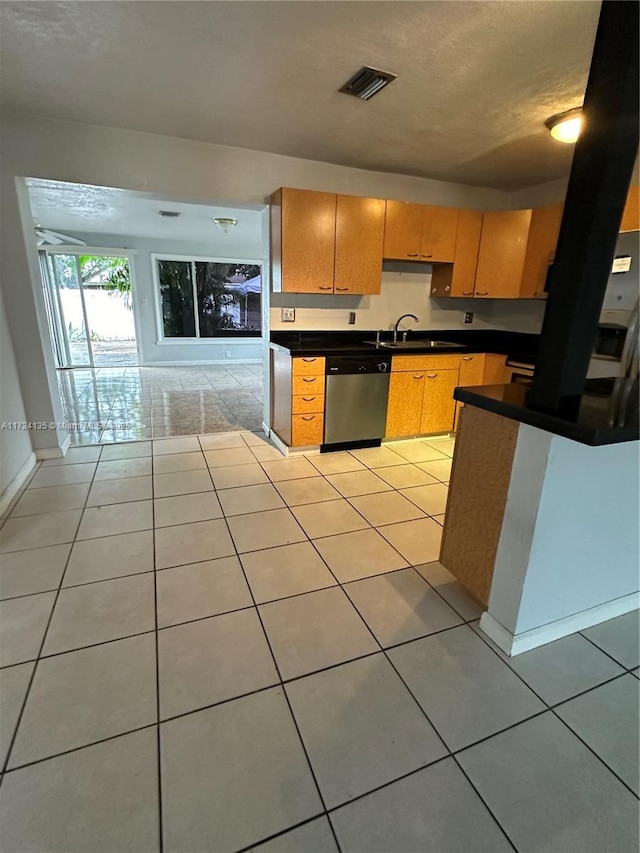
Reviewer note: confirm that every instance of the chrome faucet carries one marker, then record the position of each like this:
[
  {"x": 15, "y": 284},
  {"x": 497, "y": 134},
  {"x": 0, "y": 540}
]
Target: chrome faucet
[{"x": 398, "y": 321}]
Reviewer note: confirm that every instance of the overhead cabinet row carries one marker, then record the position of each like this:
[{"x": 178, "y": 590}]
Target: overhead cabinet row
[{"x": 334, "y": 244}]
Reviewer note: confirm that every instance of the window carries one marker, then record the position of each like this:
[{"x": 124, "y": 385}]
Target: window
[{"x": 208, "y": 298}]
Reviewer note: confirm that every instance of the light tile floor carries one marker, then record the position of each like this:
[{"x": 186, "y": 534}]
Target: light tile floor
[
  {"x": 112, "y": 404},
  {"x": 209, "y": 648}
]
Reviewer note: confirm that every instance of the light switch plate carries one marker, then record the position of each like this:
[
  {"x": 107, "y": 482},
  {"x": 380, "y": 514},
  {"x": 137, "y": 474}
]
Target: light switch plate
[{"x": 288, "y": 315}]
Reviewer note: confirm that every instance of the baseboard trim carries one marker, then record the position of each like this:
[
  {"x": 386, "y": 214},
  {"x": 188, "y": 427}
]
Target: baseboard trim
[
  {"x": 516, "y": 644},
  {"x": 16, "y": 484},
  {"x": 227, "y": 362},
  {"x": 54, "y": 452}
]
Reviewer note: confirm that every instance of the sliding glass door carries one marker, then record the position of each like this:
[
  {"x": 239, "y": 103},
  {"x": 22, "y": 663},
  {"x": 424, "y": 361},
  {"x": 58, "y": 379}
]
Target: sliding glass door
[{"x": 90, "y": 309}]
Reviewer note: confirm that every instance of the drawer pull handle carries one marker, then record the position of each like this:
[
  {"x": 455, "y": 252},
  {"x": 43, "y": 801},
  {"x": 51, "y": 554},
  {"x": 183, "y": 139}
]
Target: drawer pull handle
[
  {"x": 309, "y": 378},
  {"x": 308, "y": 399},
  {"x": 412, "y": 254},
  {"x": 418, "y": 377},
  {"x": 467, "y": 358},
  {"x": 426, "y": 256},
  {"x": 482, "y": 292},
  {"x": 342, "y": 288},
  {"x": 467, "y": 292},
  {"x": 308, "y": 359},
  {"x": 324, "y": 288},
  {"x": 431, "y": 375},
  {"x": 308, "y": 417}
]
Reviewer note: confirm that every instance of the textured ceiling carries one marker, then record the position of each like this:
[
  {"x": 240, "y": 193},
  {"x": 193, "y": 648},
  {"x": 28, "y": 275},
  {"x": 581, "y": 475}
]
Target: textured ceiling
[
  {"x": 100, "y": 210},
  {"x": 476, "y": 80}
]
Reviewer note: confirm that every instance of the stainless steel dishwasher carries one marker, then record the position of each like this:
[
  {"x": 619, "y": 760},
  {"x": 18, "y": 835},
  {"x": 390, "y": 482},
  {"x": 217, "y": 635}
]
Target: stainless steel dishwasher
[{"x": 357, "y": 391}]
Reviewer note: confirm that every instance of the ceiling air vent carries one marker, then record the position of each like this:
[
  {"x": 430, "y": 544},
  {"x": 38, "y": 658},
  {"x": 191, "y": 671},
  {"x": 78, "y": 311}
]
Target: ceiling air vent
[
  {"x": 367, "y": 82},
  {"x": 171, "y": 214}
]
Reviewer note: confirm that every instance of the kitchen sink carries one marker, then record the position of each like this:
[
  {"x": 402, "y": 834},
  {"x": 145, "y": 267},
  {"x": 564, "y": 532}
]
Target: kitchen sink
[{"x": 414, "y": 343}]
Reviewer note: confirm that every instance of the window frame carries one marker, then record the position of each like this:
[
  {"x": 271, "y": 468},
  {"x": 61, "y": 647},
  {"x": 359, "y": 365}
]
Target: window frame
[{"x": 231, "y": 334}]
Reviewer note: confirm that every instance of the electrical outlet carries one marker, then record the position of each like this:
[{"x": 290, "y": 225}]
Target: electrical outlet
[
  {"x": 352, "y": 318},
  {"x": 468, "y": 317},
  {"x": 288, "y": 315},
  {"x": 227, "y": 354}
]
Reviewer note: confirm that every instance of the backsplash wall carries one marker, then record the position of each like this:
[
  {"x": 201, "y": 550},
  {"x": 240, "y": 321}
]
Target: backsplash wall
[{"x": 403, "y": 293}]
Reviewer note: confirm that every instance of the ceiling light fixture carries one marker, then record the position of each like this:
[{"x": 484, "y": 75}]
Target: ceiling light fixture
[
  {"x": 225, "y": 224},
  {"x": 566, "y": 126}
]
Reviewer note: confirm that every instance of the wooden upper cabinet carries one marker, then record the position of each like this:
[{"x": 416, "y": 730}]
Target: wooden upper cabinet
[
  {"x": 631, "y": 214},
  {"x": 303, "y": 226},
  {"x": 359, "y": 234},
  {"x": 503, "y": 248},
  {"x": 403, "y": 231},
  {"x": 420, "y": 232},
  {"x": 326, "y": 243},
  {"x": 541, "y": 249},
  {"x": 439, "y": 232},
  {"x": 458, "y": 279}
]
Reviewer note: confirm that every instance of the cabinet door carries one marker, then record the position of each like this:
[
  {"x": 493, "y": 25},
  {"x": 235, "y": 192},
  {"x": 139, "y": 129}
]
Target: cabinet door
[
  {"x": 466, "y": 257},
  {"x": 359, "y": 239},
  {"x": 495, "y": 369},
  {"x": 439, "y": 232},
  {"x": 403, "y": 231},
  {"x": 438, "y": 405},
  {"x": 405, "y": 403},
  {"x": 308, "y": 239},
  {"x": 472, "y": 369},
  {"x": 541, "y": 249},
  {"x": 631, "y": 213},
  {"x": 471, "y": 373},
  {"x": 503, "y": 246}
]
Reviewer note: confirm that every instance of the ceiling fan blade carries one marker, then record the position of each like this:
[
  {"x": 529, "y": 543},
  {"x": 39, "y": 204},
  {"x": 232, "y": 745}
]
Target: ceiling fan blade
[{"x": 55, "y": 238}]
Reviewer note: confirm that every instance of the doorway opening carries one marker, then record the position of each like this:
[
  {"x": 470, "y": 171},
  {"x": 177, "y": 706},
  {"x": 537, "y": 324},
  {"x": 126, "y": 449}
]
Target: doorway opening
[{"x": 90, "y": 308}]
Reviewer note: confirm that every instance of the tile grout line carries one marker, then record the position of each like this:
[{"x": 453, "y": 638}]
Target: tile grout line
[
  {"x": 552, "y": 707},
  {"x": 157, "y": 649},
  {"x": 279, "y": 674},
  {"x": 593, "y": 643},
  {"x": 419, "y": 706},
  {"x": 39, "y": 654}
]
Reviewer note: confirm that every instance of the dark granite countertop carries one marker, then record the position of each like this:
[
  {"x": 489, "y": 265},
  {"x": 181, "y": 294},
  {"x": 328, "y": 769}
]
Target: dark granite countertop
[
  {"x": 518, "y": 346},
  {"x": 607, "y": 413}
]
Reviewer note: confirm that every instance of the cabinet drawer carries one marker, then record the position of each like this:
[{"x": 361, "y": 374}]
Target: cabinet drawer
[
  {"x": 307, "y": 385},
  {"x": 425, "y": 362},
  {"x": 309, "y": 366},
  {"x": 307, "y": 430},
  {"x": 303, "y": 404}
]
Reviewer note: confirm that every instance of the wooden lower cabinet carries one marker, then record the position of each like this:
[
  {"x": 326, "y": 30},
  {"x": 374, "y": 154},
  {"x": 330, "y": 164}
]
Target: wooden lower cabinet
[
  {"x": 495, "y": 369},
  {"x": 297, "y": 399},
  {"x": 472, "y": 369},
  {"x": 404, "y": 411},
  {"x": 438, "y": 405},
  {"x": 305, "y": 404},
  {"x": 307, "y": 430}
]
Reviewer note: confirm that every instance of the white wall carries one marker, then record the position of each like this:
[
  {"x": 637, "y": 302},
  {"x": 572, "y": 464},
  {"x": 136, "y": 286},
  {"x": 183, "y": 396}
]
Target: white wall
[
  {"x": 15, "y": 445},
  {"x": 152, "y": 351},
  {"x": 569, "y": 541},
  {"x": 188, "y": 170},
  {"x": 26, "y": 315},
  {"x": 402, "y": 293}
]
